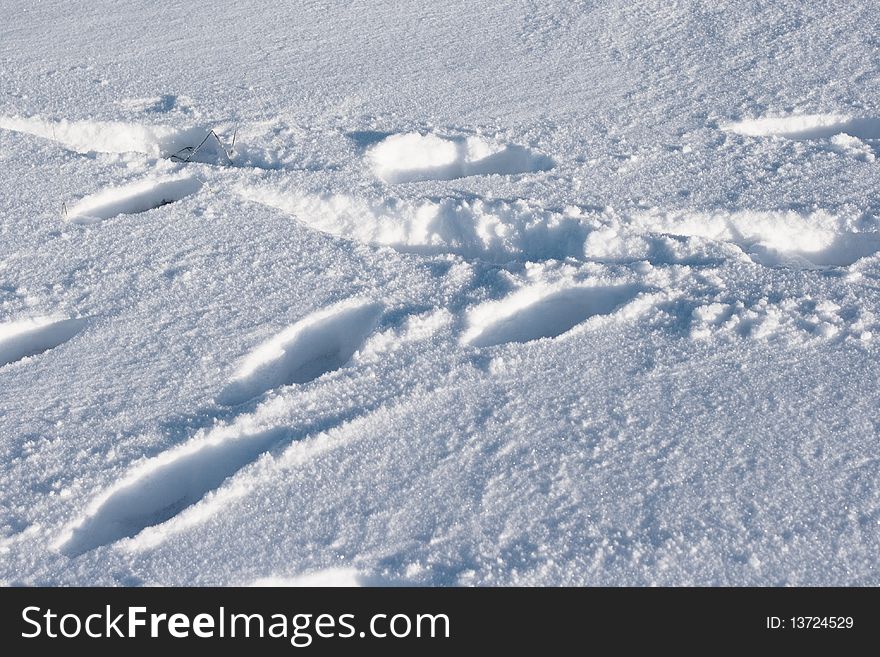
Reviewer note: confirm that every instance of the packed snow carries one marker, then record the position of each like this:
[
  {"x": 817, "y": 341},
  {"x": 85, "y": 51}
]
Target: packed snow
[{"x": 381, "y": 293}]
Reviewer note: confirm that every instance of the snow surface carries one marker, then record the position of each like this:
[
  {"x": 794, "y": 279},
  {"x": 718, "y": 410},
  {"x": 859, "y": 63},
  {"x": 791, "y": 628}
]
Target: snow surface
[{"x": 366, "y": 293}]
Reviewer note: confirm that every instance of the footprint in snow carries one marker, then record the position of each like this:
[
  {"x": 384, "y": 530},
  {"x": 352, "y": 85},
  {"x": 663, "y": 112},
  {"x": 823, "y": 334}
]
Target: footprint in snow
[
  {"x": 134, "y": 198},
  {"x": 319, "y": 343},
  {"x": 30, "y": 337},
  {"x": 533, "y": 313},
  {"x": 413, "y": 156},
  {"x": 162, "y": 487}
]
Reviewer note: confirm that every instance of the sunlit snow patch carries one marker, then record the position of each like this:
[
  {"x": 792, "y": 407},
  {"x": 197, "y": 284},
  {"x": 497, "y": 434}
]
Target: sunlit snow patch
[{"x": 159, "y": 488}]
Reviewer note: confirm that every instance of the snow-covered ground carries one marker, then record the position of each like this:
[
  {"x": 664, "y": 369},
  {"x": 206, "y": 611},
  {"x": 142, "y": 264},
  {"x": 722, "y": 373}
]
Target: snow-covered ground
[{"x": 460, "y": 293}]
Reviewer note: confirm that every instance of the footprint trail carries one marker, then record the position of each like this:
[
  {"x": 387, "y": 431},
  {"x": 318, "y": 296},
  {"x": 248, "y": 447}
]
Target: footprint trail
[{"x": 163, "y": 486}]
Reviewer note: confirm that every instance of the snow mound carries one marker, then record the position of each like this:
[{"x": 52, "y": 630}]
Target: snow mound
[
  {"x": 412, "y": 156},
  {"x": 501, "y": 230},
  {"x": 790, "y": 321}
]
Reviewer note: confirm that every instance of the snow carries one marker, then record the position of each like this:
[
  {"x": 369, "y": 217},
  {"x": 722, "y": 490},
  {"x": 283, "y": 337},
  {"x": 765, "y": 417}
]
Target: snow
[
  {"x": 332, "y": 577},
  {"x": 29, "y": 337},
  {"x": 368, "y": 293},
  {"x": 536, "y": 312},
  {"x": 412, "y": 156},
  {"x": 104, "y": 136},
  {"x": 133, "y": 198},
  {"x": 320, "y": 343},
  {"x": 491, "y": 230},
  {"x": 809, "y": 126}
]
